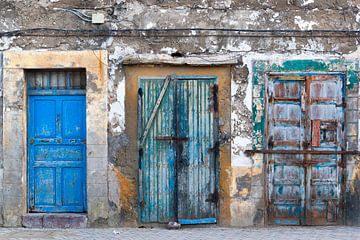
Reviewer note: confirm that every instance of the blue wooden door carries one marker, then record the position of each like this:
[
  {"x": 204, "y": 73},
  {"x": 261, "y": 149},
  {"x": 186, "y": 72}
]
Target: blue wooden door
[
  {"x": 197, "y": 194},
  {"x": 305, "y": 120},
  {"x": 286, "y": 133},
  {"x": 178, "y": 178},
  {"x": 56, "y": 145},
  {"x": 324, "y": 198}
]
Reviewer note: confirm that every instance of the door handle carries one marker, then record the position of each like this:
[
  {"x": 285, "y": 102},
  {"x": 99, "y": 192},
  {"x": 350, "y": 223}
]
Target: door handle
[{"x": 32, "y": 141}]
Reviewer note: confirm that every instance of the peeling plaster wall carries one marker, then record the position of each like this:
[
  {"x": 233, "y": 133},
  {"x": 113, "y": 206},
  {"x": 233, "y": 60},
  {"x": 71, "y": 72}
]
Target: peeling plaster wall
[{"x": 247, "y": 206}]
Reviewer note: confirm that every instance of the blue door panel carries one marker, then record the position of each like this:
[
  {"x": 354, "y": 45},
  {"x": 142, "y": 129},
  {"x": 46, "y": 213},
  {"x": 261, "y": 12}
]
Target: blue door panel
[
  {"x": 45, "y": 186},
  {"x": 57, "y": 153},
  {"x": 72, "y": 118},
  {"x": 45, "y": 121},
  {"x": 72, "y": 186}
]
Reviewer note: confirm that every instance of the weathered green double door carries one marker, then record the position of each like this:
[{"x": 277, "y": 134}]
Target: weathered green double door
[
  {"x": 305, "y": 138},
  {"x": 177, "y": 131}
]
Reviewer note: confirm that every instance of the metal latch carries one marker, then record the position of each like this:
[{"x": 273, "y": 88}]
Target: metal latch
[
  {"x": 171, "y": 138},
  {"x": 213, "y": 197}
]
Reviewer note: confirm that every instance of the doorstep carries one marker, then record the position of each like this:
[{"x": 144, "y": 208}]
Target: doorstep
[{"x": 54, "y": 220}]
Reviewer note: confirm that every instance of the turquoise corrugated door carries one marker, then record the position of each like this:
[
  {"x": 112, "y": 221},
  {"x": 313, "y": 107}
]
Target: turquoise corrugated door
[
  {"x": 178, "y": 155},
  {"x": 196, "y": 165},
  {"x": 157, "y": 158}
]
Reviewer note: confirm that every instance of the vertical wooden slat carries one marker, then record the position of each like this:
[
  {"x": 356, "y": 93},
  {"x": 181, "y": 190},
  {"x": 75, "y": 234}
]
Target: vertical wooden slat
[
  {"x": 53, "y": 80},
  {"x": 61, "y": 80},
  {"x": 38, "y": 80},
  {"x": 315, "y": 133},
  {"x": 76, "y": 81}
]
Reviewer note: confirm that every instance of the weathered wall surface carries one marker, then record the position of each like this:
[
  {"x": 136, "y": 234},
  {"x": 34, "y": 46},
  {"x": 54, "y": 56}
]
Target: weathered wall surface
[{"x": 247, "y": 205}]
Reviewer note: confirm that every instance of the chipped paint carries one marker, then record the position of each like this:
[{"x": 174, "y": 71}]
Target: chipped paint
[
  {"x": 6, "y": 42},
  {"x": 307, "y": 2},
  {"x": 303, "y": 24}
]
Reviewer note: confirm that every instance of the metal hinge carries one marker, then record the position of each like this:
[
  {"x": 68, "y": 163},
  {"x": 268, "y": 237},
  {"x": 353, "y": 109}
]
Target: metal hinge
[
  {"x": 142, "y": 204},
  {"x": 213, "y": 197}
]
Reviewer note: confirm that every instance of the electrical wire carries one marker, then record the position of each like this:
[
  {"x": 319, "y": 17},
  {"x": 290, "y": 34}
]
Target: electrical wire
[
  {"x": 181, "y": 32},
  {"x": 78, "y": 13}
]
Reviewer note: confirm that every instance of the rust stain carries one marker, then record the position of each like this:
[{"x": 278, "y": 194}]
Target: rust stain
[{"x": 127, "y": 190}]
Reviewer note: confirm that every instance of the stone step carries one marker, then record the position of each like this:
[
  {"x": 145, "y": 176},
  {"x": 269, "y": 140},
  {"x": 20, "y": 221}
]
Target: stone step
[{"x": 54, "y": 220}]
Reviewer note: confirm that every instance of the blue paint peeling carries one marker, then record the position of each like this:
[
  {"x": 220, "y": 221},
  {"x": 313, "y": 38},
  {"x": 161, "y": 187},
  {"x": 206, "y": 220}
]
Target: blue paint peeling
[{"x": 57, "y": 155}]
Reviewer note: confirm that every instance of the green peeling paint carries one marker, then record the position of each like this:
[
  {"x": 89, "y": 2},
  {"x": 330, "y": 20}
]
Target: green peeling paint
[
  {"x": 352, "y": 80},
  {"x": 258, "y": 116},
  {"x": 301, "y": 65}
]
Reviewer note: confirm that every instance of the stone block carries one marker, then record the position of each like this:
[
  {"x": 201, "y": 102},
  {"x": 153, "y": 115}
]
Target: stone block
[
  {"x": 97, "y": 163},
  {"x": 65, "y": 220},
  {"x": 13, "y": 204},
  {"x": 12, "y": 176},
  {"x": 96, "y": 137},
  {"x": 98, "y": 208},
  {"x": 32, "y": 220},
  {"x": 13, "y": 190},
  {"x": 97, "y": 176},
  {"x": 11, "y": 219},
  {"x": 12, "y": 164},
  {"x": 97, "y": 190},
  {"x": 97, "y": 151}
]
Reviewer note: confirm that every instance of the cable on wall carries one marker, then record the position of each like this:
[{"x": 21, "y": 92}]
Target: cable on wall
[{"x": 180, "y": 32}]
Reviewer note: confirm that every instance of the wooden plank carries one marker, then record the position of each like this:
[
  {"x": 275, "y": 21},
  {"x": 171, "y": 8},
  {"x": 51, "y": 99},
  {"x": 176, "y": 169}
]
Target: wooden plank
[
  {"x": 315, "y": 133},
  {"x": 156, "y": 108}
]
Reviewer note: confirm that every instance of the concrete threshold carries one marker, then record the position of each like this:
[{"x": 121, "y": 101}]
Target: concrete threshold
[{"x": 54, "y": 220}]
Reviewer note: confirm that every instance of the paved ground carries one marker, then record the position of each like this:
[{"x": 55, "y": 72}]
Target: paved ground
[{"x": 277, "y": 233}]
